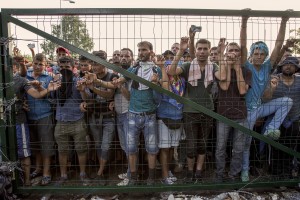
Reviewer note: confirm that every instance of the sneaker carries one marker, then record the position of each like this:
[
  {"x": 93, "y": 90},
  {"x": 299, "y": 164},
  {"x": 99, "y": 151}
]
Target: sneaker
[
  {"x": 101, "y": 180},
  {"x": 124, "y": 182},
  {"x": 122, "y": 176},
  {"x": 172, "y": 177},
  {"x": 245, "y": 176},
  {"x": 198, "y": 177},
  {"x": 273, "y": 134},
  {"x": 167, "y": 181},
  {"x": 150, "y": 181},
  {"x": 85, "y": 180},
  {"x": 46, "y": 180}
]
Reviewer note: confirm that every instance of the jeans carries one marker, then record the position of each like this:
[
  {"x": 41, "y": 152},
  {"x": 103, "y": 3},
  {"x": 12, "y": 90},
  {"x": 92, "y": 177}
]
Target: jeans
[
  {"x": 138, "y": 123},
  {"x": 122, "y": 128},
  {"x": 238, "y": 141},
  {"x": 103, "y": 133},
  {"x": 280, "y": 107}
]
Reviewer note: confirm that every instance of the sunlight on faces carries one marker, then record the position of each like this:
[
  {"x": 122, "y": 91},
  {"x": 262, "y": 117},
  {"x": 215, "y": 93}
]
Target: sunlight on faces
[
  {"x": 38, "y": 66},
  {"x": 202, "y": 52},
  {"x": 289, "y": 69},
  {"x": 61, "y": 53},
  {"x": 213, "y": 56},
  {"x": 258, "y": 57},
  {"x": 175, "y": 48},
  {"x": 116, "y": 56},
  {"x": 126, "y": 58},
  {"x": 144, "y": 52},
  {"x": 85, "y": 66},
  {"x": 98, "y": 68}
]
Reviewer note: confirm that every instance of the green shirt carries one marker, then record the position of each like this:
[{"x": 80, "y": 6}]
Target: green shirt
[{"x": 199, "y": 94}]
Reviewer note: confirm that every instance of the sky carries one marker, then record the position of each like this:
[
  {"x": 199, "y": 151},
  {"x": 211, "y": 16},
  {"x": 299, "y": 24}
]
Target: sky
[
  {"x": 277, "y": 5},
  {"x": 196, "y": 4}
]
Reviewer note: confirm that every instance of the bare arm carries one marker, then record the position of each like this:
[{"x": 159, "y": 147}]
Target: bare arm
[
  {"x": 242, "y": 85},
  {"x": 221, "y": 73},
  {"x": 243, "y": 39},
  {"x": 279, "y": 40},
  {"x": 43, "y": 92},
  {"x": 191, "y": 44},
  {"x": 268, "y": 93},
  {"x": 224, "y": 84},
  {"x": 107, "y": 94},
  {"x": 174, "y": 70},
  {"x": 125, "y": 92}
]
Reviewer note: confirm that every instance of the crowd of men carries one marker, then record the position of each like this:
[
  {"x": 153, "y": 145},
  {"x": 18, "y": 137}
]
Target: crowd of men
[{"x": 63, "y": 103}]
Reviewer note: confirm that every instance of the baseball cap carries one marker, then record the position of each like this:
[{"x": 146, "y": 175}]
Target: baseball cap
[
  {"x": 63, "y": 49},
  {"x": 290, "y": 60}
]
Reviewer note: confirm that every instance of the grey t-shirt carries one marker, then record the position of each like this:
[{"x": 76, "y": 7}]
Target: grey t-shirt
[
  {"x": 121, "y": 103},
  {"x": 21, "y": 86},
  {"x": 291, "y": 91}
]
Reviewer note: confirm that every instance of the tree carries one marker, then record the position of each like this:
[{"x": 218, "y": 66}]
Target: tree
[
  {"x": 296, "y": 47},
  {"x": 73, "y": 31}
]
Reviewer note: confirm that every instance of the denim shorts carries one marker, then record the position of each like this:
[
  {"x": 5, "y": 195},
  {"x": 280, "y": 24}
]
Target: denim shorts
[
  {"x": 147, "y": 124},
  {"x": 23, "y": 140}
]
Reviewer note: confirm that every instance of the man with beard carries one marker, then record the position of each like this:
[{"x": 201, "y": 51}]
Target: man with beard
[
  {"x": 142, "y": 112},
  {"x": 70, "y": 120},
  {"x": 199, "y": 75},
  {"x": 286, "y": 84}
]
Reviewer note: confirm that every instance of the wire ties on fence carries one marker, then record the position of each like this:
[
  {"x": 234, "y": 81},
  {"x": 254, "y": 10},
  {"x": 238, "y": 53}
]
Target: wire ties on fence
[
  {"x": 9, "y": 165},
  {"x": 6, "y": 85}
]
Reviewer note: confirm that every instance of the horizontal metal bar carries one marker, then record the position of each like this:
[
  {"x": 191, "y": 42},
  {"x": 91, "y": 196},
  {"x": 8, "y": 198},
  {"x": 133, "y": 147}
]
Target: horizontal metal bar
[
  {"x": 159, "y": 187},
  {"x": 150, "y": 11}
]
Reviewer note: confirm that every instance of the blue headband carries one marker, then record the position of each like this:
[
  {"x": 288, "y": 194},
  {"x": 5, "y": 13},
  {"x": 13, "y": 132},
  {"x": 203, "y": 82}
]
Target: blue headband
[{"x": 261, "y": 46}]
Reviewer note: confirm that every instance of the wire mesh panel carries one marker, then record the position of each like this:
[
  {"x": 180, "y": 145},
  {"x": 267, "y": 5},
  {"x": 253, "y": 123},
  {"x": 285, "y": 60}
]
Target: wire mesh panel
[{"x": 73, "y": 132}]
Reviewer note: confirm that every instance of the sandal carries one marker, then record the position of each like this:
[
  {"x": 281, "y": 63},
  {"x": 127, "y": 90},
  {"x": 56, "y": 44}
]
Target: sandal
[
  {"x": 46, "y": 180},
  {"x": 35, "y": 174}
]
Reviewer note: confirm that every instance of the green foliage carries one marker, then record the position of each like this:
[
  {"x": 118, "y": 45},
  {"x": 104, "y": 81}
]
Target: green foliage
[
  {"x": 296, "y": 47},
  {"x": 74, "y": 31}
]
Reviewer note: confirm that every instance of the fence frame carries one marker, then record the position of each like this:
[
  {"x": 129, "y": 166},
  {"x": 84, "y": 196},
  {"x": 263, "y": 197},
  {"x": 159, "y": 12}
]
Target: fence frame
[{"x": 6, "y": 77}]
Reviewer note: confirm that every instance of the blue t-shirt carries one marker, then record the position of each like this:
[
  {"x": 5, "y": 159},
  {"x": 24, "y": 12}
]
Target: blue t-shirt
[
  {"x": 259, "y": 82},
  {"x": 70, "y": 111},
  {"x": 39, "y": 108},
  {"x": 142, "y": 100}
]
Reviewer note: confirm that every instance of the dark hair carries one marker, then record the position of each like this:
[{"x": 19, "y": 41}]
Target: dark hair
[
  {"x": 127, "y": 49},
  {"x": 213, "y": 48},
  {"x": 83, "y": 59},
  {"x": 233, "y": 44},
  {"x": 101, "y": 54},
  {"x": 40, "y": 57},
  {"x": 203, "y": 41},
  {"x": 146, "y": 43},
  {"x": 68, "y": 59}
]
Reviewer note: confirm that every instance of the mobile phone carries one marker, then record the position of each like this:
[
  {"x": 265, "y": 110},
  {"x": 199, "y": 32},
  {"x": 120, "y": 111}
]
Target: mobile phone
[
  {"x": 31, "y": 45},
  {"x": 196, "y": 28}
]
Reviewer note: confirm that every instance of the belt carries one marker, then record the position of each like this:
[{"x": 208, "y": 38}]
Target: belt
[{"x": 144, "y": 113}]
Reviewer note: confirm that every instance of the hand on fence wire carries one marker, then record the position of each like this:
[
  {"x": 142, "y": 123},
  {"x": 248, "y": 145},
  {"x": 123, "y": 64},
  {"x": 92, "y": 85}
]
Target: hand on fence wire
[
  {"x": 184, "y": 43},
  {"x": 53, "y": 86}
]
